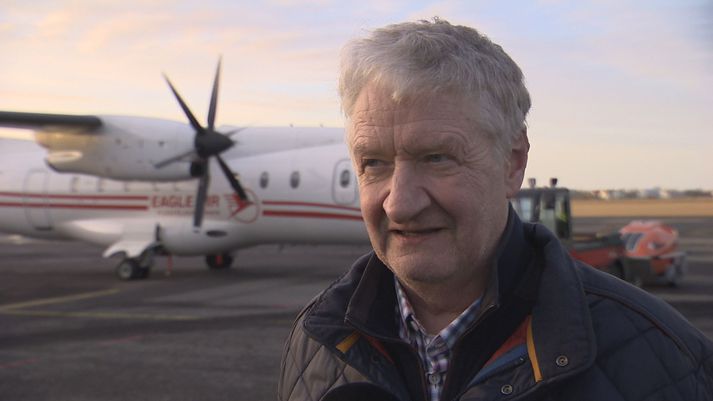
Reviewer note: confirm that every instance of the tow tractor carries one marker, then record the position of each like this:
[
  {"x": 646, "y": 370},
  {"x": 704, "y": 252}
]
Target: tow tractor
[
  {"x": 641, "y": 252},
  {"x": 652, "y": 249}
]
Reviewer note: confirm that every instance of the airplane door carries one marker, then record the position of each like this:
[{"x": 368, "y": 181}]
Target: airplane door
[
  {"x": 344, "y": 185},
  {"x": 36, "y": 201}
]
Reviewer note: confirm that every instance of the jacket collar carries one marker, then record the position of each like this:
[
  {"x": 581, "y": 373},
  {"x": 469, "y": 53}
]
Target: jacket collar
[
  {"x": 561, "y": 320},
  {"x": 512, "y": 256},
  {"x": 364, "y": 299},
  {"x": 372, "y": 307}
]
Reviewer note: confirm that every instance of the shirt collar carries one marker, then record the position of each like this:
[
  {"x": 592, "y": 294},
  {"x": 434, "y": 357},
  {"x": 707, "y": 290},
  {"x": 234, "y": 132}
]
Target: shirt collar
[
  {"x": 372, "y": 284},
  {"x": 408, "y": 323}
]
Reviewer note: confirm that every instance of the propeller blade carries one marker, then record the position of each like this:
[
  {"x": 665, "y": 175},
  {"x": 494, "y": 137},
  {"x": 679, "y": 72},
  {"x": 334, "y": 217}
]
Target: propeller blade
[
  {"x": 164, "y": 163},
  {"x": 231, "y": 177},
  {"x": 191, "y": 118},
  {"x": 234, "y": 131},
  {"x": 201, "y": 197},
  {"x": 214, "y": 98}
]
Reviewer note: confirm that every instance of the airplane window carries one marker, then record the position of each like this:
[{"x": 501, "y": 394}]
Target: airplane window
[
  {"x": 344, "y": 178},
  {"x": 295, "y": 179},
  {"x": 73, "y": 184},
  {"x": 264, "y": 179}
]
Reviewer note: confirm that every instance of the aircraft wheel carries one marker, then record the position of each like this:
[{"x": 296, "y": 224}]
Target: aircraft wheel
[
  {"x": 220, "y": 261},
  {"x": 128, "y": 269}
]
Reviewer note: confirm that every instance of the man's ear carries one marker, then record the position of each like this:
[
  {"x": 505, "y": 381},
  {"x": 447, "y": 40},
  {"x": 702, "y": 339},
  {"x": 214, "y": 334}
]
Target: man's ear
[{"x": 516, "y": 161}]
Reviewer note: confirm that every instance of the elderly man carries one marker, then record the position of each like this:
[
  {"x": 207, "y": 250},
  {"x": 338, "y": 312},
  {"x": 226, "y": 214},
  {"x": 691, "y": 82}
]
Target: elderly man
[{"x": 460, "y": 299}]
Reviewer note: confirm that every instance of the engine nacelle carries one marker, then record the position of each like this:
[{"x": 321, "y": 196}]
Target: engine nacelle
[{"x": 122, "y": 148}]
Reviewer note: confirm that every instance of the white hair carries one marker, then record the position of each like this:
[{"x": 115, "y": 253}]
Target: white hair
[{"x": 417, "y": 59}]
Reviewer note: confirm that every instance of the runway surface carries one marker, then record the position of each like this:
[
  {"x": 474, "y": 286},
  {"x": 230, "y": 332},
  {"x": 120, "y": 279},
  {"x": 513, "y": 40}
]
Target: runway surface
[{"x": 70, "y": 331}]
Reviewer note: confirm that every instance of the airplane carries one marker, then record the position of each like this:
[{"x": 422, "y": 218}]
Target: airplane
[{"x": 142, "y": 187}]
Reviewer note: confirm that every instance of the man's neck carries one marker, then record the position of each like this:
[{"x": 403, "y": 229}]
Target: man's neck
[{"x": 436, "y": 306}]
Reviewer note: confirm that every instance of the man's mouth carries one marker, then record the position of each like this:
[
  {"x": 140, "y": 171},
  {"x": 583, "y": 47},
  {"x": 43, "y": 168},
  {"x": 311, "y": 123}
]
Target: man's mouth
[{"x": 415, "y": 233}]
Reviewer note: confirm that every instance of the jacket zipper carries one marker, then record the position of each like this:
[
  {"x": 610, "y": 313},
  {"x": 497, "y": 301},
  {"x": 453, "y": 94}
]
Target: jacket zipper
[{"x": 488, "y": 310}]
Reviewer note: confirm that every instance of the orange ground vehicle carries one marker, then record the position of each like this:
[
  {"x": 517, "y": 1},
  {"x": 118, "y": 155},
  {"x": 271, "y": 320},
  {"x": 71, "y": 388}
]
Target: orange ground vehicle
[
  {"x": 653, "y": 249},
  {"x": 641, "y": 252},
  {"x": 550, "y": 206}
]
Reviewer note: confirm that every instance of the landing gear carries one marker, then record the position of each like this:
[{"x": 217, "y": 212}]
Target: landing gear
[
  {"x": 128, "y": 269},
  {"x": 135, "y": 268},
  {"x": 219, "y": 261}
]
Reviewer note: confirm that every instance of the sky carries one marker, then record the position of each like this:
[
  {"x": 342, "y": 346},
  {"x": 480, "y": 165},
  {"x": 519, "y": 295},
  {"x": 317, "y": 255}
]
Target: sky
[{"x": 622, "y": 91}]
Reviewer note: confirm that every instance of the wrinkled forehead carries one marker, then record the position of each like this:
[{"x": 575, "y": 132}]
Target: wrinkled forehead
[
  {"x": 377, "y": 113},
  {"x": 377, "y": 108}
]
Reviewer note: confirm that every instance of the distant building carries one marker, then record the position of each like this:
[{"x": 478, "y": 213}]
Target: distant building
[
  {"x": 611, "y": 194},
  {"x": 650, "y": 193}
]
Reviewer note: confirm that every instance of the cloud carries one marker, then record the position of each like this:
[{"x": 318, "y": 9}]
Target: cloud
[
  {"x": 617, "y": 73},
  {"x": 301, "y": 3},
  {"x": 122, "y": 31},
  {"x": 56, "y": 24}
]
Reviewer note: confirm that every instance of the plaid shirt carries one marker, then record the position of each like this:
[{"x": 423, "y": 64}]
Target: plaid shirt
[{"x": 434, "y": 351}]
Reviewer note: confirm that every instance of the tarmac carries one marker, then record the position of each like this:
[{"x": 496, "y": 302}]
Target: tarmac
[{"x": 69, "y": 330}]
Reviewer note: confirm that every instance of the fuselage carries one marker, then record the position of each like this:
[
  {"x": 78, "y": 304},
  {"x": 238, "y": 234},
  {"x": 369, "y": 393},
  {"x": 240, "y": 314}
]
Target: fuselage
[{"x": 301, "y": 187}]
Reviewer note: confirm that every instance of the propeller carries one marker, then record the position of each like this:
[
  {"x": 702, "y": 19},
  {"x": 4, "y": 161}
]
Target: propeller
[{"x": 207, "y": 143}]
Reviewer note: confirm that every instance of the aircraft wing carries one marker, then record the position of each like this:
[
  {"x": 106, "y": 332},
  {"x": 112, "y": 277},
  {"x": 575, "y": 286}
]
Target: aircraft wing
[
  {"x": 117, "y": 147},
  {"x": 39, "y": 121}
]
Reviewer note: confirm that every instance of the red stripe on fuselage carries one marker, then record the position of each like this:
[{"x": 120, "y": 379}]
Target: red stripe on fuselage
[
  {"x": 310, "y": 204},
  {"x": 272, "y": 213},
  {"x": 77, "y": 197},
  {"x": 316, "y": 215},
  {"x": 70, "y": 206}
]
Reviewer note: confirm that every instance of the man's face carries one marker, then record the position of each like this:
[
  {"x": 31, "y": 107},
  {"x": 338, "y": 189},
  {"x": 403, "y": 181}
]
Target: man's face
[{"x": 433, "y": 189}]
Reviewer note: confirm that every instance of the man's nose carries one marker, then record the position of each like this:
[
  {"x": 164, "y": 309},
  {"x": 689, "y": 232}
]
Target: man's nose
[{"x": 407, "y": 196}]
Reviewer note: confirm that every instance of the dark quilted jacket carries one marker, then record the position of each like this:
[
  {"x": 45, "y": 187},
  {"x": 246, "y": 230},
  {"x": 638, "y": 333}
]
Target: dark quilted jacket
[{"x": 588, "y": 336}]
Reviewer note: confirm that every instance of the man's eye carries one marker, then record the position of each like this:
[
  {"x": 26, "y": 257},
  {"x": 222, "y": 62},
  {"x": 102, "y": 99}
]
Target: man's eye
[
  {"x": 366, "y": 163},
  {"x": 437, "y": 158}
]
